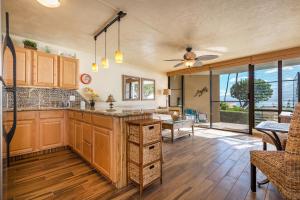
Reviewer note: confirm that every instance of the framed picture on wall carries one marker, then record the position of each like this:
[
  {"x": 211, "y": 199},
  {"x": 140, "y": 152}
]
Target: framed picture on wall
[{"x": 148, "y": 89}]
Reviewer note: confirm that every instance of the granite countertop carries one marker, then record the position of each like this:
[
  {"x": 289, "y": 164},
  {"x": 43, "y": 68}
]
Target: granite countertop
[{"x": 118, "y": 112}]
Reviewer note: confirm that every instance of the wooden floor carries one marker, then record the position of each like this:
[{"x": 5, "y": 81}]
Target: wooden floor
[{"x": 211, "y": 165}]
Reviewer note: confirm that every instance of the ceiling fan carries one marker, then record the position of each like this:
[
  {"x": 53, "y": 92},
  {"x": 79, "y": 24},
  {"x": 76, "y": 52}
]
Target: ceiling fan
[{"x": 190, "y": 59}]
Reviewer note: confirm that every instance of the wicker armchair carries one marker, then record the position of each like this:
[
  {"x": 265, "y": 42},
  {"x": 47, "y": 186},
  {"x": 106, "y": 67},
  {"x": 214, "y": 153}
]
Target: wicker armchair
[
  {"x": 282, "y": 168},
  {"x": 266, "y": 140}
]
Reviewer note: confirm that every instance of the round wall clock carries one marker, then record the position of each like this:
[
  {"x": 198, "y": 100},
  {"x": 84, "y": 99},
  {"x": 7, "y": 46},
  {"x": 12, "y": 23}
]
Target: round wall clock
[{"x": 85, "y": 78}]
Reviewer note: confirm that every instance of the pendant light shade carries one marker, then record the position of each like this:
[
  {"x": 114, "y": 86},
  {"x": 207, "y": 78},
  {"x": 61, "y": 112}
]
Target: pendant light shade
[
  {"x": 118, "y": 57},
  {"x": 50, "y": 3},
  {"x": 95, "y": 67},
  {"x": 94, "y": 64},
  {"x": 104, "y": 61},
  {"x": 118, "y": 53}
]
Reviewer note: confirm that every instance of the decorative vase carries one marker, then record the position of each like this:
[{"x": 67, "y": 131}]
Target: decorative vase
[{"x": 92, "y": 104}]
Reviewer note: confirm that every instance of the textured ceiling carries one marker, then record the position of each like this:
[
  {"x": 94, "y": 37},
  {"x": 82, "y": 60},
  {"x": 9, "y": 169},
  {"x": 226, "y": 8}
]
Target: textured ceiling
[{"x": 155, "y": 30}]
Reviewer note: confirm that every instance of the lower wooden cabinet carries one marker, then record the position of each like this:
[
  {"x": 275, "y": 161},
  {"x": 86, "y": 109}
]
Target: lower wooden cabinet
[
  {"x": 78, "y": 136},
  {"x": 87, "y": 150},
  {"x": 102, "y": 150},
  {"x": 51, "y": 132},
  {"x": 24, "y": 137},
  {"x": 71, "y": 133}
]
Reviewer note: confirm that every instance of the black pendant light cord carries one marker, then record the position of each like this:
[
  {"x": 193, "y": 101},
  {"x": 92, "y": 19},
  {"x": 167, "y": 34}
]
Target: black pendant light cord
[
  {"x": 95, "y": 50},
  {"x": 105, "y": 44},
  {"x": 119, "y": 34}
]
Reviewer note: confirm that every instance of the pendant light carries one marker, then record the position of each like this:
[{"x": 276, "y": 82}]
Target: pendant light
[
  {"x": 118, "y": 53},
  {"x": 104, "y": 60},
  {"x": 94, "y": 65}
]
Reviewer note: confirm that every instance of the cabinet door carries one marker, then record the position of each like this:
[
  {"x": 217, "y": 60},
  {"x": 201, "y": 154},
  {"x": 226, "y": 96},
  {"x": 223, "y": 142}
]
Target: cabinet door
[
  {"x": 44, "y": 69},
  {"x": 51, "y": 133},
  {"x": 24, "y": 137},
  {"x": 23, "y": 67},
  {"x": 71, "y": 133},
  {"x": 87, "y": 132},
  {"x": 78, "y": 136},
  {"x": 68, "y": 73},
  {"x": 102, "y": 152},
  {"x": 87, "y": 151}
]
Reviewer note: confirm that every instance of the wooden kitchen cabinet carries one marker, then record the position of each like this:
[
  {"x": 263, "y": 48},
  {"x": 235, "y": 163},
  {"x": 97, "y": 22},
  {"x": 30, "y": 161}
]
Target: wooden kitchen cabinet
[
  {"x": 24, "y": 62},
  {"x": 78, "y": 136},
  {"x": 68, "y": 73},
  {"x": 45, "y": 70},
  {"x": 102, "y": 149},
  {"x": 71, "y": 133},
  {"x": 51, "y": 133},
  {"x": 24, "y": 137}
]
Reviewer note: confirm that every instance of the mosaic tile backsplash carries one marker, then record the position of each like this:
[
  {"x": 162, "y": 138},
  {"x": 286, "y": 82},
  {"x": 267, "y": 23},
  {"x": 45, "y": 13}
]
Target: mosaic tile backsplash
[{"x": 42, "y": 97}]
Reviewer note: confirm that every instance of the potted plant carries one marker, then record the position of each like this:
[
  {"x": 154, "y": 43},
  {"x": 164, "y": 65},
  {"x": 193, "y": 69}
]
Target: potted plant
[
  {"x": 30, "y": 44},
  {"x": 92, "y": 96}
]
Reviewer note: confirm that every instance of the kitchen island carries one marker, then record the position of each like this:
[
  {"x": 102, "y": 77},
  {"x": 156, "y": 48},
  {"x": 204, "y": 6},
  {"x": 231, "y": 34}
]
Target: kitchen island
[{"x": 98, "y": 136}]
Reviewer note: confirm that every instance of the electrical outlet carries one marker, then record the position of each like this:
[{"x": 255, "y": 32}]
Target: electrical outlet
[{"x": 72, "y": 98}]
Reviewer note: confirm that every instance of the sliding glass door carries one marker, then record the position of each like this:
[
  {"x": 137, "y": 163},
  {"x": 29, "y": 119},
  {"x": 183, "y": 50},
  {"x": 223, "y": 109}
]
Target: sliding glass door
[
  {"x": 229, "y": 99},
  {"x": 266, "y": 92}
]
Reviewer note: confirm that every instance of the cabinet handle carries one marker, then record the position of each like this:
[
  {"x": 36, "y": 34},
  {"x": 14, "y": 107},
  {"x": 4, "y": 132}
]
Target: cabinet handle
[
  {"x": 151, "y": 167},
  {"x": 151, "y": 127},
  {"x": 151, "y": 147}
]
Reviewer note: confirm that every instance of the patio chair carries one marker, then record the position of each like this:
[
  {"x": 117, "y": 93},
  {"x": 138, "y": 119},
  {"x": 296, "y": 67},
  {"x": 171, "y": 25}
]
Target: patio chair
[{"x": 282, "y": 168}]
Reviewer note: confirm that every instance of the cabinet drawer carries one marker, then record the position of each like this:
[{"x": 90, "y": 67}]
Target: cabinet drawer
[
  {"x": 149, "y": 173},
  {"x": 51, "y": 114},
  {"x": 150, "y": 153},
  {"x": 87, "y": 151},
  {"x": 87, "y": 132},
  {"x": 25, "y": 115},
  {"x": 71, "y": 114},
  {"x": 102, "y": 121},
  {"x": 87, "y": 117},
  {"x": 151, "y": 133},
  {"x": 78, "y": 115}
]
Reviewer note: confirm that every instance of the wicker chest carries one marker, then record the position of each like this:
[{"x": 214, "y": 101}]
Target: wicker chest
[{"x": 144, "y": 152}]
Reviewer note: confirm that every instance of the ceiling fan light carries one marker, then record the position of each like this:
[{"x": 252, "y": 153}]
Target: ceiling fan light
[
  {"x": 95, "y": 67},
  {"x": 104, "y": 63},
  {"x": 189, "y": 63},
  {"x": 118, "y": 57},
  {"x": 50, "y": 3}
]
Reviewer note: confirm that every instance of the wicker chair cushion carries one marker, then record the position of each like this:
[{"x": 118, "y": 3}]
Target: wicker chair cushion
[{"x": 282, "y": 137}]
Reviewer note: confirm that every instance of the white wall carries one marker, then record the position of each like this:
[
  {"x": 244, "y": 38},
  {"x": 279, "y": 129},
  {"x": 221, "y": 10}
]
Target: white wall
[{"x": 109, "y": 81}]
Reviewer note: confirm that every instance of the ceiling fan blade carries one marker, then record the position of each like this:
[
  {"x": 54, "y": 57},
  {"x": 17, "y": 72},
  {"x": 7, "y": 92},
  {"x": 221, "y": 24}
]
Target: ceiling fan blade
[
  {"x": 198, "y": 63},
  {"x": 174, "y": 60},
  {"x": 207, "y": 57},
  {"x": 179, "y": 64}
]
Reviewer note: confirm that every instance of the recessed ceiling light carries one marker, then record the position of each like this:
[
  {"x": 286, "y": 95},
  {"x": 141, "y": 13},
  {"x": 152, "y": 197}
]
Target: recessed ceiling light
[{"x": 50, "y": 3}]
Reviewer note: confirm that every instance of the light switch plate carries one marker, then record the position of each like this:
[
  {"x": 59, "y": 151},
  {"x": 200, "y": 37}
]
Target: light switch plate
[{"x": 72, "y": 98}]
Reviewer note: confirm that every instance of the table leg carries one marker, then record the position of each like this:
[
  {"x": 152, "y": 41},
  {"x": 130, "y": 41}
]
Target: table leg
[
  {"x": 172, "y": 135},
  {"x": 193, "y": 130}
]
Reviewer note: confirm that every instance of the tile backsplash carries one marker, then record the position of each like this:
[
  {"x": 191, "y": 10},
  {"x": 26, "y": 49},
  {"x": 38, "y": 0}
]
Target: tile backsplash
[{"x": 43, "y": 97}]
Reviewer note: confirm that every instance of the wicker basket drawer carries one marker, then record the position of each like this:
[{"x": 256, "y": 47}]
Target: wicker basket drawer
[
  {"x": 151, "y": 133},
  {"x": 150, "y": 173},
  {"x": 150, "y": 153}
]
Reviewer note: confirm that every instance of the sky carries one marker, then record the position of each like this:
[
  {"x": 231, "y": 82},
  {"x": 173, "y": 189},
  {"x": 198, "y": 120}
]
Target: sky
[{"x": 288, "y": 73}]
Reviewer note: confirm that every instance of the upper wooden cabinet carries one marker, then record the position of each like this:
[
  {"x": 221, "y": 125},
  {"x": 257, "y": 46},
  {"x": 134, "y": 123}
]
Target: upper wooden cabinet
[
  {"x": 24, "y": 63},
  {"x": 45, "y": 69},
  {"x": 68, "y": 73}
]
